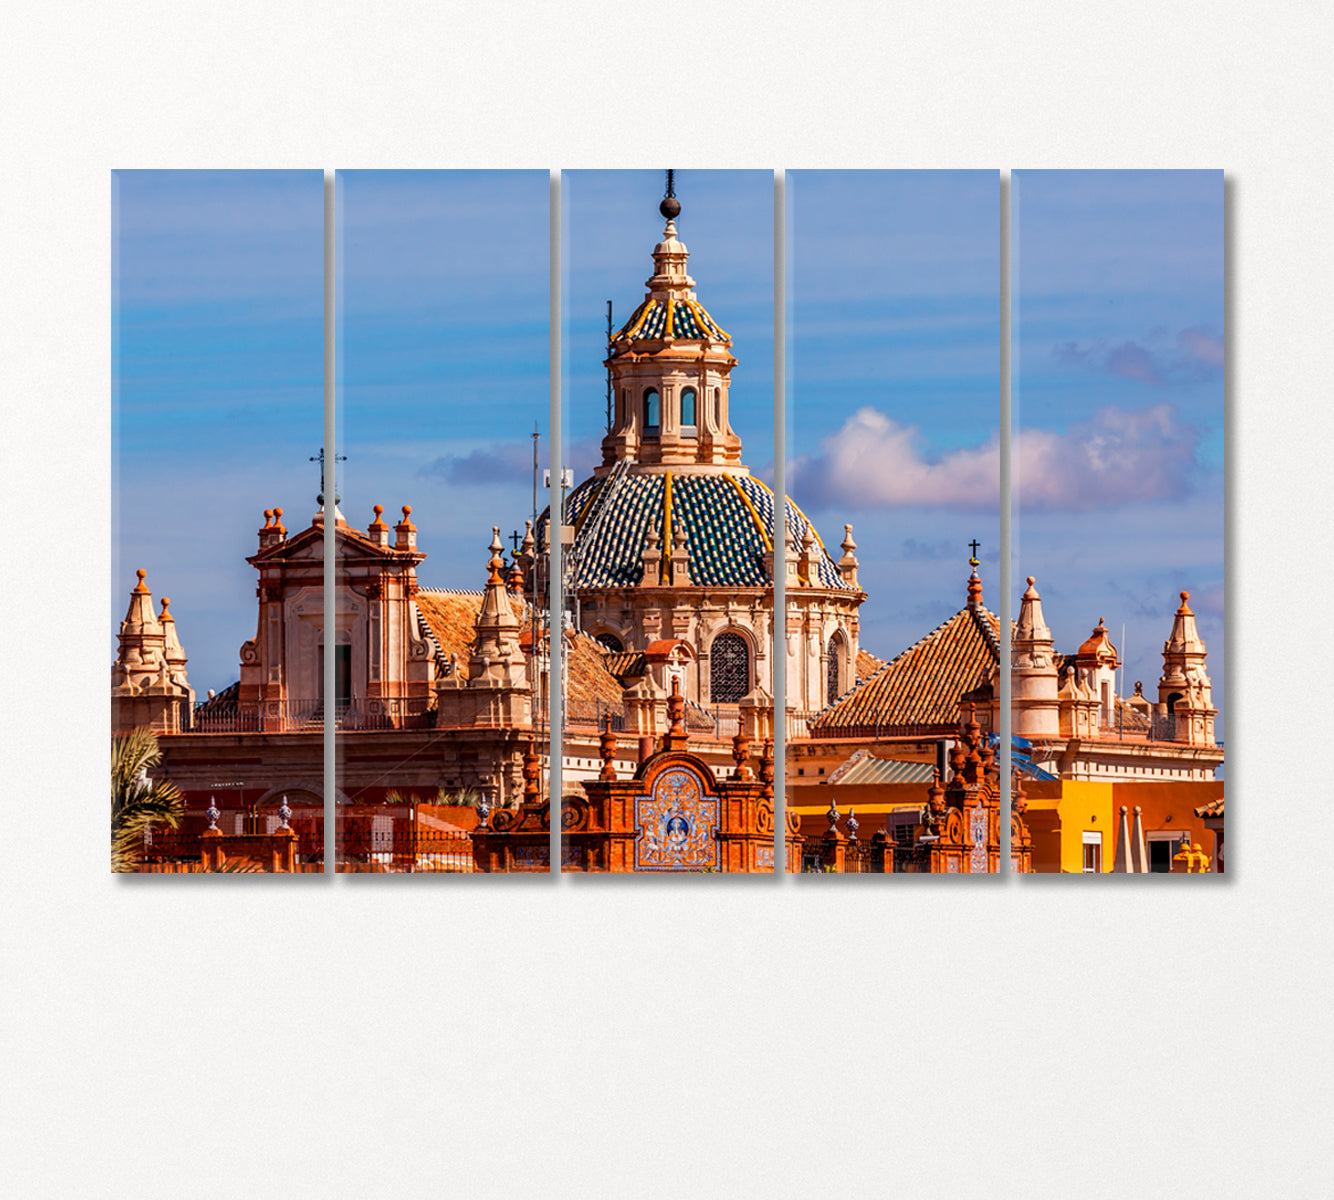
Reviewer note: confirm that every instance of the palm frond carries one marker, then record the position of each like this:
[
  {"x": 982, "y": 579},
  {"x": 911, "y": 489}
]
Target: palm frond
[{"x": 137, "y": 804}]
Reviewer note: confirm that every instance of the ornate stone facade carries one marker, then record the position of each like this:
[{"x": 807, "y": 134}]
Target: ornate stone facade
[{"x": 673, "y": 538}]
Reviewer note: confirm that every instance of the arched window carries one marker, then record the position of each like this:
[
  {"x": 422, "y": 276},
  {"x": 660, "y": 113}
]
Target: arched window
[
  {"x": 611, "y": 641},
  {"x": 688, "y": 407},
  {"x": 717, "y": 410},
  {"x": 832, "y": 690},
  {"x": 729, "y": 668},
  {"x": 651, "y": 410}
]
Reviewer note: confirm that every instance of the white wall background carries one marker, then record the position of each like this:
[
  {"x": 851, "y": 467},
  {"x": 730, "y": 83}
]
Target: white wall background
[{"x": 418, "y": 1037}]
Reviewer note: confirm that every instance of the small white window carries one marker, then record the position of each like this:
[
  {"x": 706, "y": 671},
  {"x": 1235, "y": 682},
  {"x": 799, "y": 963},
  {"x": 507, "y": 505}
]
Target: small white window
[{"x": 1092, "y": 853}]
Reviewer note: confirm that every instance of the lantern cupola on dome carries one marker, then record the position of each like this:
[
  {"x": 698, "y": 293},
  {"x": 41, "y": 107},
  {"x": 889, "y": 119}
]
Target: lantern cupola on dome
[{"x": 670, "y": 367}]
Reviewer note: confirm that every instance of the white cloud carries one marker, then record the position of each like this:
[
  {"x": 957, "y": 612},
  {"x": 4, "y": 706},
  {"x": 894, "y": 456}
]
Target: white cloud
[{"x": 1119, "y": 457}]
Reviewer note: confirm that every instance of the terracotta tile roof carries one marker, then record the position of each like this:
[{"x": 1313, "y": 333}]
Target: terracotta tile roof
[
  {"x": 226, "y": 701},
  {"x": 867, "y": 664},
  {"x": 452, "y": 619},
  {"x": 1213, "y": 809},
  {"x": 1129, "y": 718},
  {"x": 626, "y": 664},
  {"x": 589, "y": 681},
  {"x": 923, "y": 685}
]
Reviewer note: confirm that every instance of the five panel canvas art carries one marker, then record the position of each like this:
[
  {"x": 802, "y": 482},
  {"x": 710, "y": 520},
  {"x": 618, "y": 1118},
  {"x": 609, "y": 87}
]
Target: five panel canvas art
[{"x": 738, "y": 684}]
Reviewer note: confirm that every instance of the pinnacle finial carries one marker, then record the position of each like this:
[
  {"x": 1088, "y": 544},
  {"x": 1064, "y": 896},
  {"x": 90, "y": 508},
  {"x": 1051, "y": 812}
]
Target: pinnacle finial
[
  {"x": 670, "y": 206},
  {"x": 139, "y": 587}
]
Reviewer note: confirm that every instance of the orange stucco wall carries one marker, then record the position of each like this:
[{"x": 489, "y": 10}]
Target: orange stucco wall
[{"x": 1061, "y": 811}]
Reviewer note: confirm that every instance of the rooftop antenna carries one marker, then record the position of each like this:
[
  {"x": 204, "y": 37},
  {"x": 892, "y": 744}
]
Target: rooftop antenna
[{"x": 608, "y": 367}]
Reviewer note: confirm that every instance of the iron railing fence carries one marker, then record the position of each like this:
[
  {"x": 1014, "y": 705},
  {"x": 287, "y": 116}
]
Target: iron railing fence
[
  {"x": 307, "y": 716},
  {"x": 716, "y": 722},
  {"x": 1155, "y": 727},
  {"x": 163, "y": 844},
  {"x": 861, "y": 858},
  {"x": 586, "y": 714},
  {"x": 404, "y": 848}
]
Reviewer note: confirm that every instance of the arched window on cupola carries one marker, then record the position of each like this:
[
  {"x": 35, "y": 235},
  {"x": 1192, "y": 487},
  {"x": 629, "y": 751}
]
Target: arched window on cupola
[
  {"x": 611, "y": 642},
  {"x": 729, "y": 668},
  {"x": 651, "y": 416},
  {"x": 833, "y": 669},
  {"x": 688, "y": 410}
]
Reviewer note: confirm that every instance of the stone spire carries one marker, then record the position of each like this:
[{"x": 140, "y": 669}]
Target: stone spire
[
  {"x": 1184, "y": 689},
  {"x": 1035, "y": 707},
  {"x": 172, "y": 651},
  {"x": 847, "y": 565},
  {"x": 495, "y": 693},
  {"x": 142, "y": 641},
  {"x": 148, "y": 680}
]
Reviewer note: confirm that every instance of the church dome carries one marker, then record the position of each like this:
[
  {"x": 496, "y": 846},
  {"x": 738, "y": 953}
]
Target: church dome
[
  {"x": 726, "y": 519},
  {"x": 658, "y": 319}
]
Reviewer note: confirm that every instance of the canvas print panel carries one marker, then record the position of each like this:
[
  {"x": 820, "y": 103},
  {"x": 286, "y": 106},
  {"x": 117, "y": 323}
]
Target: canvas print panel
[
  {"x": 217, "y": 409},
  {"x": 668, "y": 535},
  {"x": 443, "y": 402},
  {"x": 893, "y": 642},
  {"x": 1118, "y": 665}
]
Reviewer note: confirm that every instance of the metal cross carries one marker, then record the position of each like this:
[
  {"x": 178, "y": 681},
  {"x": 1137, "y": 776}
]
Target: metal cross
[
  {"x": 320, "y": 459},
  {"x": 516, "y": 537},
  {"x": 974, "y": 544}
]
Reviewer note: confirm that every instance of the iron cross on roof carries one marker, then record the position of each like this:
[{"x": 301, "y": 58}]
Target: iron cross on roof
[
  {"x": 320, "y": 459},
  {"x": 974, "y": 544}
]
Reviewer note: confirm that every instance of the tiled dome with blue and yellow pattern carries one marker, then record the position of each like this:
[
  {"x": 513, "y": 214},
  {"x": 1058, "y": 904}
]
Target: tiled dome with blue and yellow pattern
[
  {"x": 728, "y": 523},
  {"x": 684, "y": 318}
]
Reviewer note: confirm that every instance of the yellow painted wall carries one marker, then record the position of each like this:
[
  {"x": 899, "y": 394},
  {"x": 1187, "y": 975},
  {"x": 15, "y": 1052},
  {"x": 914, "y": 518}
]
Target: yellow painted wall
[{"x": 1060, "y": 811}]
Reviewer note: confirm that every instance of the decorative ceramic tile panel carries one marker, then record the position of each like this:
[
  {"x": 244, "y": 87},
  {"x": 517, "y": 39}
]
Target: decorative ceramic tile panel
[
  {"x": 676, "y": 826},
  {"x": 669, "y": 549}
]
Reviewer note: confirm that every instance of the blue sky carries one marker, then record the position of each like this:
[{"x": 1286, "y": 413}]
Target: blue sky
[
  {"x": 217, "y": 313},
  {"x": 1118, "y": 397},
  {"x": 611, "y": 224},
  {"x": 444, "y": 303},
  {"x": 894, "y": 388},
  {"x": 893, "y": 401},
  {"x": 218, "y": 309}
]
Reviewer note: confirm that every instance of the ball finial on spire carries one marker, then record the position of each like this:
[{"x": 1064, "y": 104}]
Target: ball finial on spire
[{"x": 670, "y": 206}]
